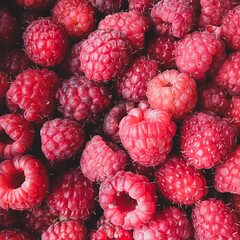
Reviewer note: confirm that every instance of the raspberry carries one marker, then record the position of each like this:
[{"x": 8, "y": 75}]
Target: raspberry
[
  {"x": 61, "y": 139},
  {"x": 142, "y": 6},
  {"x": 27, "y": 17},
  {"x": 235, "y": 203},
  {"x": 4, "y": 85},
  {"x": 147, "y": 135},
  {"x": 23, "y": 183},
  {"x": 179, "y": 182},
  {"x": 66, "y": 230},
  {"x": 82, "y": 99},
  {"x": 15, "y": 234},
  {"x": 45, "y": 42},
  {"x": 206, "y": 139},
  {"x": 132, "y": 85},
  {"x": 173, "y": 18},
  {"x": 174, "y": 92},
  {"x": 230, "y": 26},
  {"x": 172, "y": 223},
  {"x": 163, "y": 50},
  {"x": 16, "y": 135},
  {"x": 32, "y": 93},
  {"x": 35, "y": 5},
  {"x": 212, "y": 219},
  {"x": 102, "y": 159},
  {"x": 108, "y": 6},
  {"x": 128, "y": 200},
  {"x": 72, "y": 196},
  {"x": 77, "y": 16},
  {"x": 108, "y": 49},
  {"x": 197, "y": 51},
  {"x": 8, "y": 217}
]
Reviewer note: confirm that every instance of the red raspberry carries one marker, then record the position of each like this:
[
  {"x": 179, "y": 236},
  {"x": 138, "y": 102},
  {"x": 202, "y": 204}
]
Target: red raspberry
[
  {"x": 77, "y": 17},
  {"x": 15, "y": 234},
  {"x": 72, "y": 196},
  {"x": 102, "y": 159},
  {"x": 197, "y": 51},
  {"x": 45, "y": 42},
  {"x": 147, "y": 135},
  {"x": 174, "y": 92},
  {"x": 212, "y": 219},
  {"x": 8, "y": 217},
  {"x": 23, "y": 183},
  {"x": 35, "y": 5},
  {"x": 82, "y": 99},
  {"x": 108, "y": 6},
  {"x": 66, "y": 230},
  {"x": 4, "y": 85},
  {"x": 172, "y": 223},
  {"x": 179, "y": 182},
  {"x": 128, "y": 200},
  {"x": 173, "y": 18},
  {"x": 142, "y": 6},
  {"x": 108, "y": 49},
  {"x": 16, "y": 135},
  {"x": 206, "y": 139},
  {"x": 230, "y": 26},
  {"x": 235, "y": 203},
  {"x": 132, "y": 85},
  {"x": 132, "y": 24},
  {"x": 33, "y": 94}
]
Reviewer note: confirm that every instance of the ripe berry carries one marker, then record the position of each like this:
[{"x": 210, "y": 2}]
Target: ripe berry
[
  {"x": 18, "y": 234},
  {"x": 4, "y": 85},
  {"x": 108, "y": 6}
]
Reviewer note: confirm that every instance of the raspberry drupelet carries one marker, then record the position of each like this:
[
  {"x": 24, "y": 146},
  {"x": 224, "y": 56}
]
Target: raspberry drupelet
[
  {"x": 142, "y": 6},
  {"x": 18, "y": 234},
  {"x": 4, "y": 85},
  {"x": 35, "y": 5},
  {"x": 8, "y": 218},
  {"x": 108, "y": 6}
]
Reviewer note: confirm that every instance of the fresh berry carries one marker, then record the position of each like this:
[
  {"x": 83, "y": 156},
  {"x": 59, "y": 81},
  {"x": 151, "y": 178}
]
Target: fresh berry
[
  {"x": 142, "y": 6},
  {"x": 82, "y": 99},
  {"x": 212, "y": 219},
  {"x": 35, "y": 5},
  {"x": 206, "y": 139},
  {"x": 147, "y": 135},
  {"x": 72, "y": 196},
  {"x": 108, "y": 49},
  {"x": 8, "y": 217},
  {"x": 23, "y": 183},
  {"x": 33, "y": 94},
  {"x": 16, "y": 136},
  {"x": 233, "y": 111},
  {"x": 102, "y": 159},
  {"x": 132, "y": 85},
  {"x": 179, "y": 182},
  {"x": 15, "y": 234},
  {"x": 45, "y": 42},
  {"x": 235, "y": 203},
  {"x": 174, "y": 92},
  {"x": 128, "y": 200},
  {"x": 172, "y": 223},
  {"x": 4, "y": 85},
  {"x": 108, "y": 6}
]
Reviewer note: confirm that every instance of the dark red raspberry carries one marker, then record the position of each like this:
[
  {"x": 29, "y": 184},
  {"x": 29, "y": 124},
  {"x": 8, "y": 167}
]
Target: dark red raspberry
[
  {"x": 16, "y": 135},
  {"x": 142, "y": 6},
  {"x": 128, "y": 200},
  {"x": 15, "y": 234},
  {"x": 45, "y": 42},
  {"x": 66, "y": 230},
  {"x": 174, "y": 92},
  {"x": 23, "y": 183},
  {"x": 235, "y": 203},
  {"x": 76, "y": 16},
  {"x": 4, "y": 85},
  {"x": 206, "y": 139},
  {"x": 105, "y": 54},
  {"x": 212, "y": 219},
  {"x": 163, "y": 50},
  {"x": 179, "y": 182},
  {"x": 82, "y": 99},
  {"x": 33, "y": 94},
  {"x": 131, "y": 23},
  {"x": 147, "y": 135},
  {"x": 27, "y": 17},
  {"x": 108, "y": 6},
  {"x": 102, "y": 159},
  {"x": 173, "y": 18},
  {"x": 35, "y": 5},
  {"x": 8, "y": 217},
  {"x": 132, "y": 85},
  {"x": 172, "y": 223},
  {"x": 72, "y": 196}
]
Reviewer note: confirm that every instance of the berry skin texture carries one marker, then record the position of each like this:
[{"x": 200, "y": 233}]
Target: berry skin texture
[
  {"x": 32, "y": 93},
  {"x": 147, "y": 135},
  {"x": 206, "y": 139},
  {"x": 128, "y": 200},
  {"x": 72, "y": 196},
  {"x": 66, "y": 230},
  {"x": 82, "y": 99},
  {"x": 108, "y": 6},
  {"x": 142, "y": 6},
  {"x": 4, "y": 85},
  {"x": 8, "y": 218},
  {"x": 179, "y": 182},
  {"x": 35, "y": 5},
  {"x": 172, "y": 223},
  {"x": 16, "y": 136},
  {"x": 76, "y": 16},
  {"x": 61, "y": 139},
  {"x": 102, "y": 159},
  {"x": 173, "y": 92},
  {"x": 45, "y": 42},
  {"x": 23, "y": 183},
  {"x": 212, "y": 219},
  {"x": 15, "y": 234}
]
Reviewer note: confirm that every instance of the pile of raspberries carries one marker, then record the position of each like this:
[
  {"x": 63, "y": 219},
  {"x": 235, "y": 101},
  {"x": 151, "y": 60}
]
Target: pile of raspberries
[{"x": 119, "y": 119}]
